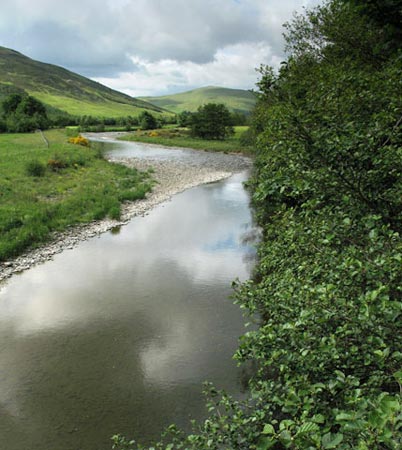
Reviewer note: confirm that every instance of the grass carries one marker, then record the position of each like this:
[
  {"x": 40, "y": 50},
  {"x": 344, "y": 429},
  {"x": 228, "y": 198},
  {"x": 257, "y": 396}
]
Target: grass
[
  {"x": 234, "y": 99},
  {"x": 76, "y": 186},
  {"x": 180, "y": 137},
  {"x": 76, "y": 107}
]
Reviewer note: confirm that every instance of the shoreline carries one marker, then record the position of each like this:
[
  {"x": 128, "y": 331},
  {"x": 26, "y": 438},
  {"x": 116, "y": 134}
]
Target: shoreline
[{"x": 172, "y": 177}]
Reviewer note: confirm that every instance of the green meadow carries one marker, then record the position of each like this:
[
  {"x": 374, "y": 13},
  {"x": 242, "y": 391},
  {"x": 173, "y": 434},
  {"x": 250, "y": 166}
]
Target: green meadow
[
  {"x": 180, "y": 137},
  {"x": 45, "y": 189},
  {"x": 235, "y": 99}
]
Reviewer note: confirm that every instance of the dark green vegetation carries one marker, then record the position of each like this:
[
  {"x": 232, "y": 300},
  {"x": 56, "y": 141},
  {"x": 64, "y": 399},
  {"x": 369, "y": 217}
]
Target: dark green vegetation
[
  {"x": 63, "y": 90},
  {"x": 22, "y": 113},
  {"x": 48, "y": 189},
  {"x": 327, "y": 189},
  {"x": 236, "y": 100},
  {"x": 147, "y": 121},
  {"x": 181, "y": 137},
  {"x": 211, "y": 121}
]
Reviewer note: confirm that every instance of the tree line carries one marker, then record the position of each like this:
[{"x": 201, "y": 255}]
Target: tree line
[{"x": 23, "y": 113}]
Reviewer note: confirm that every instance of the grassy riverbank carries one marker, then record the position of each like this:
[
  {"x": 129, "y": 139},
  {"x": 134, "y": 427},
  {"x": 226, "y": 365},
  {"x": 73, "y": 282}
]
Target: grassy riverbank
[
  {"x": 47, "y": 189},
  {"x": 180, "y": 137}
]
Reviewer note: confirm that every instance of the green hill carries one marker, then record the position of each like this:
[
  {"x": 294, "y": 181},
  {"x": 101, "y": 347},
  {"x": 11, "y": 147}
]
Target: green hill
[
  {"x": 65, "y": 90},
  {"x": 236, "y": 100}
]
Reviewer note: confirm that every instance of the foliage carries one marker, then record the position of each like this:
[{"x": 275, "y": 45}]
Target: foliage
[
  {"x": 327, "y": 190},
  {"x": 79, "y": 140},
  {"x": 147, "y": 121},
  {"x": 184, "y": 119},
  {"x": 211, "y": 121},
  {"x": 23, "y": 113},
  {"x": 35, "y": 168},
  {"x": 75, "y": 187}
]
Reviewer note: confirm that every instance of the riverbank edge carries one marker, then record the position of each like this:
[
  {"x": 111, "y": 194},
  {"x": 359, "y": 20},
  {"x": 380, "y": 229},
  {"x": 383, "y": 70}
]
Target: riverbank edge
[
  {"x": 217, "y": 146},
  {"x": 172, "y": 178}
]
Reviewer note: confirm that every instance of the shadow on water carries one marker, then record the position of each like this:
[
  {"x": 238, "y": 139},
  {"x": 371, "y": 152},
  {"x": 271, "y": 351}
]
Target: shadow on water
[{"x": 118, "y": 334}]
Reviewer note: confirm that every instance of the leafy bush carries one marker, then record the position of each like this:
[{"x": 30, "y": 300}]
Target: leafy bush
[
  {"x": 211, "y": 121},
  {"x": 147, "y": 121},
  {"x": 35, "y": 168},
  {"x": 55, "y": 164},
  {"x": 79, "y": 140},
  {"x": 23, "y": 113}
]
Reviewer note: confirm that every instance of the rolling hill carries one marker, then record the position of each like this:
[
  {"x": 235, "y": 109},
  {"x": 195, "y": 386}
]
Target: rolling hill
[
  {"x": 65, "y": 90},
  {"x": 235, "y": 99}
]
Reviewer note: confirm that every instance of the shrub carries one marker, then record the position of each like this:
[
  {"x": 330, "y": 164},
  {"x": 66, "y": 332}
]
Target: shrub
[
  {"x": 79, "y": 140},
  {"x": 56, "y": 164},
  {"x": 115, "y": 212},
  {"x": 35, "y": 168},
  {"x": 211, "y": 121}
]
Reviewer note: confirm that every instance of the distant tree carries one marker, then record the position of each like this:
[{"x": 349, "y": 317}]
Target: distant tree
[
  {"x": 23, "y": 113},
  {"x": 184, "y": 119},
  {"x": 10, "y": 104},
  {"x": 238, "y": 118},
  {"x": 212, "y": 121},
  {"x": 30, "y": 106},
  {"x": 147, "y": 121}
]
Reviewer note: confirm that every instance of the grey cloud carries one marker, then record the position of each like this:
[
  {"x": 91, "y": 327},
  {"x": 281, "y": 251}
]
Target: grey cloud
[{"x": 97, "y": 38}]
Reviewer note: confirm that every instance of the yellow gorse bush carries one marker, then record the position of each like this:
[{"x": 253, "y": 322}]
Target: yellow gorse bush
[{"x": 79, "y": 140}]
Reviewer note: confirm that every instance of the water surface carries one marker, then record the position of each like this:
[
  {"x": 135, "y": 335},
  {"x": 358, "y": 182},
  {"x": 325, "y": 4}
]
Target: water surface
[{"x": 118, "y": 334}]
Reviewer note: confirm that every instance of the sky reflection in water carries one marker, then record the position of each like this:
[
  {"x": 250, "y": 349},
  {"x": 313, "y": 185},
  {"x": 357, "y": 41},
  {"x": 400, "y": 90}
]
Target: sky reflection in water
[{"x": 118, "y": 334}]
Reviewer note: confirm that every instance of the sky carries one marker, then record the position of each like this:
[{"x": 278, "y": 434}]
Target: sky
[{"x": 152, "y": 47}]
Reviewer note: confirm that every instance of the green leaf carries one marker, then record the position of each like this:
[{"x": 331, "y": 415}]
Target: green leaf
[
  {"x": 268, "y": 429},
  {"x": 265, "y": 443},
  {"x": 308, "y": 427},
  {"x": 330, "y": 440}
]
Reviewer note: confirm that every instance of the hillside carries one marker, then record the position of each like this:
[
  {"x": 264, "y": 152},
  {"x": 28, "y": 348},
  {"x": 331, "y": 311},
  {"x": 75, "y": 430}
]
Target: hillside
[
  {"x": 63, "y": 89},
  {"x": 235, "y": 99}
]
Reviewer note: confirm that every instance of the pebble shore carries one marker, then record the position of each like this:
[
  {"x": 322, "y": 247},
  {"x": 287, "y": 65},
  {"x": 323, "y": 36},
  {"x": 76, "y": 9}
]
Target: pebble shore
[{"x": 172, "y": 177}]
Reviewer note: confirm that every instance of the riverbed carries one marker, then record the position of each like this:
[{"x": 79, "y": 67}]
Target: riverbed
[{"x": 117, "y": 333}]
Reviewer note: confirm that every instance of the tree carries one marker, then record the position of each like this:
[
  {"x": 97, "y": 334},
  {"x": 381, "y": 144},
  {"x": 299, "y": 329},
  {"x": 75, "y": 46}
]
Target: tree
[
  {"x": 10, "y": 103},
  {"x": 212, "y": 121},
  {"x": 24, "y": 113},
  {"x": 184, "y": 119},
  {"x": 147, "y": 121}
]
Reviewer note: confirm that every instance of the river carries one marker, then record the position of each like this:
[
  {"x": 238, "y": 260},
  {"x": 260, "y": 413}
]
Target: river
[{"x": 118, "y": 334}]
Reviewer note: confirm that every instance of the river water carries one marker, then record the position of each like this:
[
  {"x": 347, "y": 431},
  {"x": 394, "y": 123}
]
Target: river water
[{"x": 118, "y": 334}]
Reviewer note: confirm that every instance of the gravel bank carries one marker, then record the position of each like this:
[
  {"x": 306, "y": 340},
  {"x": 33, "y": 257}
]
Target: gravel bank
[{"x": 172, "y": 177}]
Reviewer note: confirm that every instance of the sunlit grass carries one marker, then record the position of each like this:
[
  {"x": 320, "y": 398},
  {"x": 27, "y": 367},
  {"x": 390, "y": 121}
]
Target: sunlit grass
[
  {"x": 180, "y": 137},
  {"x": 80, "y": 188}
]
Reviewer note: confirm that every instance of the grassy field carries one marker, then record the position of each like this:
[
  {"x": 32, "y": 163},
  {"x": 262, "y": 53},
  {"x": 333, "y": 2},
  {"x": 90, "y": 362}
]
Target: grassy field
[
  {"x": 180, "y": 137},
  {"x": 234, "y": 99},
  {"x": 80, "y": 107},
  {"x": 46, "y": 189}
]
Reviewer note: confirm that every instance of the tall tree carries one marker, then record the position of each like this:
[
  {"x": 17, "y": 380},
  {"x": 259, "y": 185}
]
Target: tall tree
[{"x": 211, "y": 121}]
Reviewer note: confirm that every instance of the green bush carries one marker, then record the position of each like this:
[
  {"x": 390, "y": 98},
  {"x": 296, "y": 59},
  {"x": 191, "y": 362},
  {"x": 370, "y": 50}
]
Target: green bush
[{"x": 35, "y": 168}]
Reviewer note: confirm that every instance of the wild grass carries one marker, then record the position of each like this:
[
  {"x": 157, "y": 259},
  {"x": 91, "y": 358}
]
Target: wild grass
[
  {"x": 49, "y": 189},
  {"x": 88, "y": 107},
  {"x": 180, "y": 137}
]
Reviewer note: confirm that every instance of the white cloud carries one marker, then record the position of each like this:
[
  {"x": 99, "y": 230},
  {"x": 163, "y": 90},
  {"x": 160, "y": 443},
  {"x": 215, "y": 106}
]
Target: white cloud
[
  {"x": 233, "y": 66},
  {"x": 175, "y": 43}
]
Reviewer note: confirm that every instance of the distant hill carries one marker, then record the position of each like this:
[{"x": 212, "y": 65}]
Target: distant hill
[
  {"x": 235, "y": 99},
  {"x": 65, "y": 90}
]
